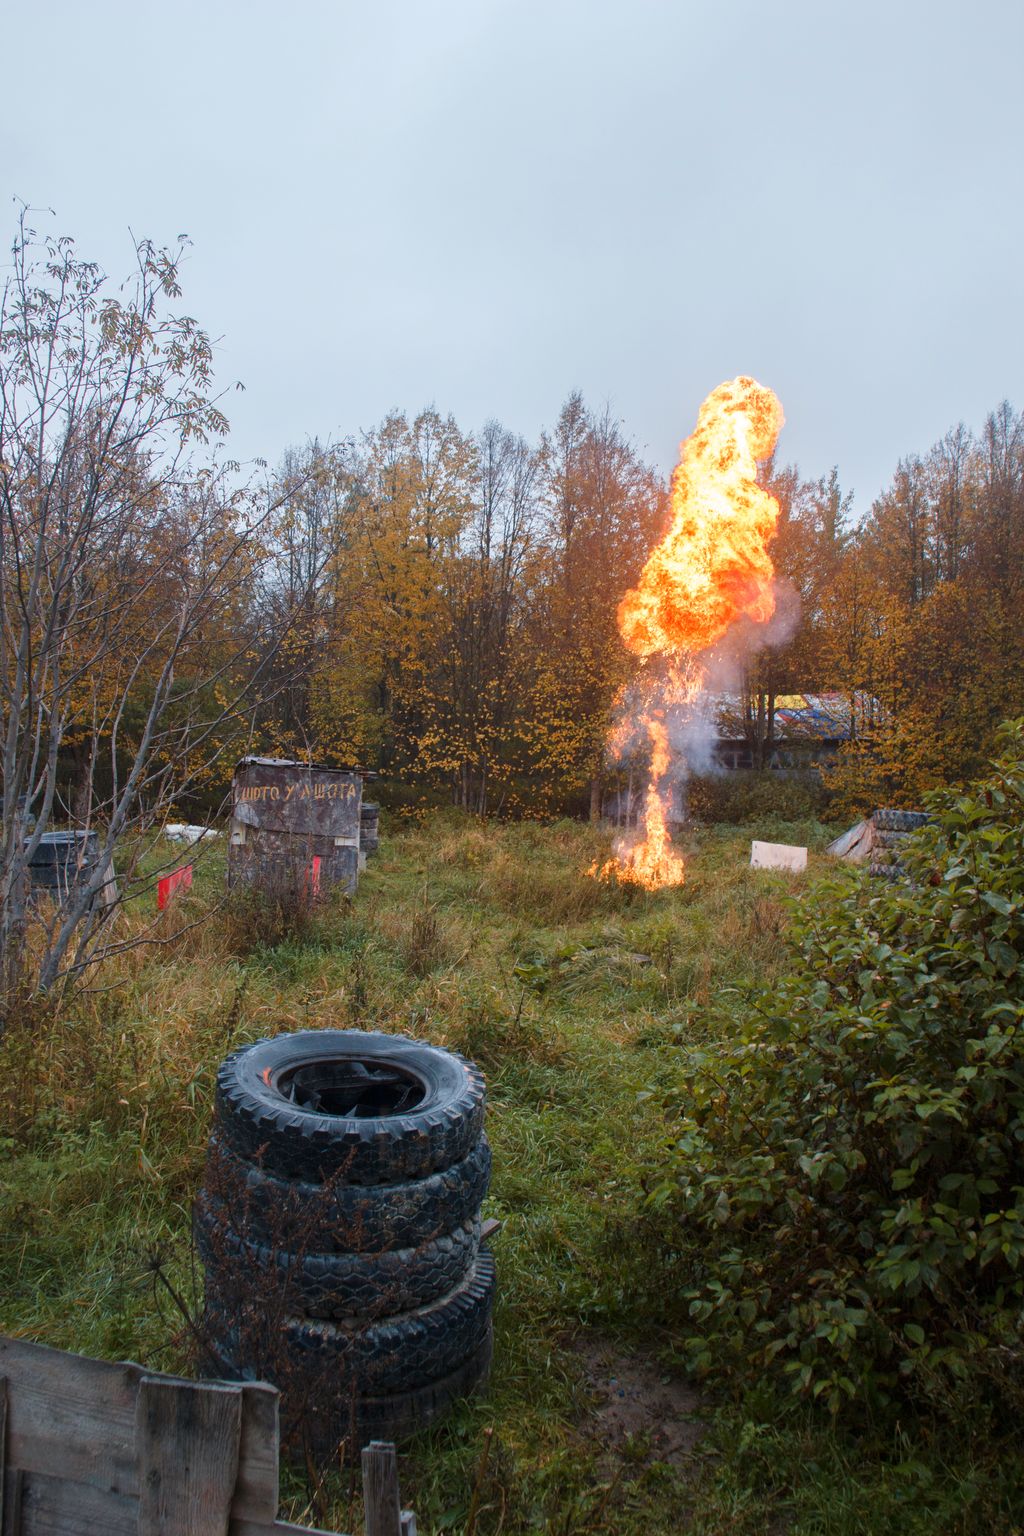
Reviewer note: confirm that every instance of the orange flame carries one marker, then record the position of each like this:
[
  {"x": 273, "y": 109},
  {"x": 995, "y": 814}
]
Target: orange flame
[{"x": 711, "y": 568}]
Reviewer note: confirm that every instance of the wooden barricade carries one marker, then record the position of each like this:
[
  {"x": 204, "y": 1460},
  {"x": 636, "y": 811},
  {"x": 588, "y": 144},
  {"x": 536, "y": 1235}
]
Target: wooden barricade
[{"x": 88, "y": 1448}]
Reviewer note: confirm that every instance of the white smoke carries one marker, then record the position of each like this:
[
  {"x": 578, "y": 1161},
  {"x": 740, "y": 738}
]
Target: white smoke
[{"x": 691, "y": 717}]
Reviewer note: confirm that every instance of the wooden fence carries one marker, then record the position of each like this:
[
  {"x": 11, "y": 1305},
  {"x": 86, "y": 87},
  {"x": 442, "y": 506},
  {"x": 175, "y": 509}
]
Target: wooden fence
[{"x": 88, "y": 1448}]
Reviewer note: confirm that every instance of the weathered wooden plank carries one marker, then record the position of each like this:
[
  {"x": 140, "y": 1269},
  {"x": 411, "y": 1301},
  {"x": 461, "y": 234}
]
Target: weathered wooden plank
[
  {"x": 10, "y": 1511},
  {"x": 51, "y": 1506},
  {"x": 381, "y": 1505},
  {"x": 3, "y": 1442},
  {"x": 276, "y": 1528},
  {"x": 78, "y": 1415},
  {"x": 87, "y": 1407},
  {"x": 83, "y": 1408},
  {"x": 188, "y": 1437},
  {"x": 256, "y": 1490}
]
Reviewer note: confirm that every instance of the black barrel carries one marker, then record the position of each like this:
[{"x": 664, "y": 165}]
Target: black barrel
[
  {"x": 369, "y": 827},
  {"x": 62, "y": 860}
]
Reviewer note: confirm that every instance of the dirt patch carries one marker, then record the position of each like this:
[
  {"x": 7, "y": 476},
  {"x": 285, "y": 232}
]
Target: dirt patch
[{"x": 635, "y": 1400}]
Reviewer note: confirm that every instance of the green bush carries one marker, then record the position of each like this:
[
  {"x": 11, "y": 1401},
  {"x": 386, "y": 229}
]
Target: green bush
[
  {"x": 848, "y": 1162},
  {"x": 739, "y": 798}
]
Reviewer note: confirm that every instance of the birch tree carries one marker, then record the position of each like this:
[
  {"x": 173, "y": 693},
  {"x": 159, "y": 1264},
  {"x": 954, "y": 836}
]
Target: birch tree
[{"x": 130, "y": 578}]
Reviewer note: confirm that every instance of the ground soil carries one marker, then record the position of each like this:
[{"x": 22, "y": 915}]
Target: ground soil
[{"x": 635, "y": 1402}]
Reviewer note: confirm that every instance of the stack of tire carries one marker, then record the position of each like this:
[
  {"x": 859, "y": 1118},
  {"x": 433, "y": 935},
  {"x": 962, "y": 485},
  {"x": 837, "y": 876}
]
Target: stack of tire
[
  {"x": 339, "y": 1229},
  {"x": 892, "y": 828},
  {"x": 369, "y": 828}
]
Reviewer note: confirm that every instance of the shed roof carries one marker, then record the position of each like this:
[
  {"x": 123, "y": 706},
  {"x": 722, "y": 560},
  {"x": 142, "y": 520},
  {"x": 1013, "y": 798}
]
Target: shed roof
[{"x": 802, "y": 716}]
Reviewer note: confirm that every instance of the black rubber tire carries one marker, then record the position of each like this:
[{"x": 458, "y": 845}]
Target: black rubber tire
[
  {"x": 888, "y": 820},
  {"x": 260, "y": 1123},
  {"x": 395, "y": 1354},
  {"x": 336, "y": 1285},
  {"x": 329, "y": 1418},
  {"x": 400, "y": 1415},
  {"x": 348, "y": 1218},
  {"x": 890, "y": 839},
  {"x": 894, "y": 871}
]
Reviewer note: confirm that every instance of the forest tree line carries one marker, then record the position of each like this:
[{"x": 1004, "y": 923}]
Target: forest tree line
[
  {"x": 434, "y": 603},
  {"x": 462, "y": 634}
]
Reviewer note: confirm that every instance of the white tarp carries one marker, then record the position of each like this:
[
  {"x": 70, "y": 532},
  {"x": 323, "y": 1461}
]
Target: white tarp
[
  {"x": 855, "y": 845},
  {"x": 183, "y": 832}
]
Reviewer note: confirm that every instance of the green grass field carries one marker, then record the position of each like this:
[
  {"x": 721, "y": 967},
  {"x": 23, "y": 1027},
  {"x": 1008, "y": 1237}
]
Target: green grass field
[{"x": 574, "y": 998}]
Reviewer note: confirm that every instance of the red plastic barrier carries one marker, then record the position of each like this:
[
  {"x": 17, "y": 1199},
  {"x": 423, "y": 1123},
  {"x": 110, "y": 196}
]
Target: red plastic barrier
[{"x": 177, "y": 880}]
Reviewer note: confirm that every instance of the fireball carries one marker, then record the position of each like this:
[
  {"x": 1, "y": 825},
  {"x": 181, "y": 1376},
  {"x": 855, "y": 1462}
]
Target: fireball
[{"x": 711, "y": 569}]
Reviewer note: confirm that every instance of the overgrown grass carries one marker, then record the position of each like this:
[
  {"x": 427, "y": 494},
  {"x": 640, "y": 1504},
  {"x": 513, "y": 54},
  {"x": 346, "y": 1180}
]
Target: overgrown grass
[{"x": 572, "y": 996}]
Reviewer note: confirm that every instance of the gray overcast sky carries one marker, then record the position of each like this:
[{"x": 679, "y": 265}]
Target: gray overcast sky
[{"x": 487, "y": 203}]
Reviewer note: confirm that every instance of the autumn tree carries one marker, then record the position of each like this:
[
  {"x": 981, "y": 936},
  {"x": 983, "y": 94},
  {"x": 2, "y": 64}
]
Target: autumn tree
[
  {"x": 413, "y": 504},
  {"x": 603, "y": 510},
  {"x": 130, "y": 575},
  {"x": 925, "y": 614},
  {"x": 316, "y": 491},
  {"x": 484, "y": 596}
]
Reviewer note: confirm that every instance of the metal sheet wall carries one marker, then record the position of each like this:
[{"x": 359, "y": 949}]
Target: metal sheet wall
[{"x": 284, "y": 816}]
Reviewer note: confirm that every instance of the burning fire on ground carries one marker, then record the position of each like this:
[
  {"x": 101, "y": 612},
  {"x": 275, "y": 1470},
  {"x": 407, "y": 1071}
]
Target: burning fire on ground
[{"x": 711, "y": 570}]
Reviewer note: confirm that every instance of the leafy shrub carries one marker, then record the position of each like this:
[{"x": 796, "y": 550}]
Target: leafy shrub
[
  {"x": 848, "y": 1164},
  {"x": 742, "y": 797}
]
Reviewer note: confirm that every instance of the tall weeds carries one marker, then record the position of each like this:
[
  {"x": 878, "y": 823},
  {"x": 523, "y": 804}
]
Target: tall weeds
[{"x": 487, "y": 939}]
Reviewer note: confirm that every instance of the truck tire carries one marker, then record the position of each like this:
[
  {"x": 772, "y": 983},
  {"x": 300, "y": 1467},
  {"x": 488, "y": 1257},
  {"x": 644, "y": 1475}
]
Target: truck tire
[
  {"x": 367, "y": 1108},
  {"x": 348, "y": 1218},
  {"x": 889, "y": 820},
  {"x": 337, "y": 1285},
  {"x": 375, "y": 1359},
  {"x": 890, "y": 839},
  {"x": 331, "y": 1418}
]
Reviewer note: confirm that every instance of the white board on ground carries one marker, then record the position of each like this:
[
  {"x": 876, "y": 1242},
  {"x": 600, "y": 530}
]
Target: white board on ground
[{"x": 778, "y": 856}]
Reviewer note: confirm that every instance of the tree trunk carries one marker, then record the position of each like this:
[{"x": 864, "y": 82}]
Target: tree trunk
[{"x": 759, "y": 732}]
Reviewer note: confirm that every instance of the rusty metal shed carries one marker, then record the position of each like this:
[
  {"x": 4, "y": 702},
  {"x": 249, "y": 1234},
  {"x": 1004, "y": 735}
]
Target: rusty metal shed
[{"x": 293, "y": 824}]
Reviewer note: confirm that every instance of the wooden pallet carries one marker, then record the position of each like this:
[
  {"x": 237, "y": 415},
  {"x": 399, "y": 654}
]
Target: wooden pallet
[{"x": 89, "y": 1448}]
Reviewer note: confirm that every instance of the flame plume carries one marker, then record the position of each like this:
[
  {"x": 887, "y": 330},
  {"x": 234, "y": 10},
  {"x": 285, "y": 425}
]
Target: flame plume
[{"x": 711, "y": 569}]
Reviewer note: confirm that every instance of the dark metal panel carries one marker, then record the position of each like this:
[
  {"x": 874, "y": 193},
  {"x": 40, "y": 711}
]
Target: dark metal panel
[
  {"x": 285, "y": 815},
  {"x": 297, "y": 798}
]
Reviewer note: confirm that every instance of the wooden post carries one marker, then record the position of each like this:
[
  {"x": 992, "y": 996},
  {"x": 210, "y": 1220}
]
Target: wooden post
[
  {"x": 381, "y": 1508},
  {"x": 188, "y": 1436},
  {"x": 3, "y": 1442}
]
